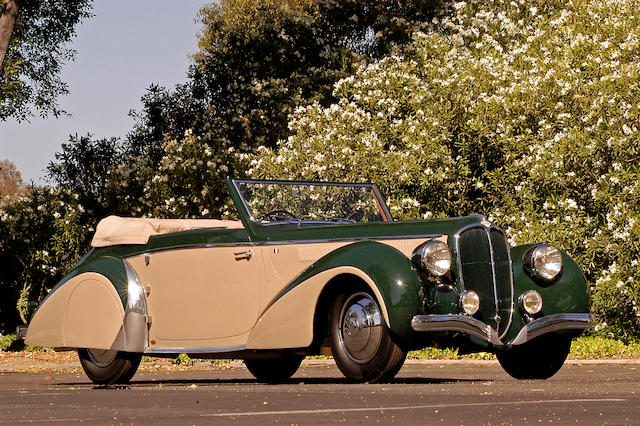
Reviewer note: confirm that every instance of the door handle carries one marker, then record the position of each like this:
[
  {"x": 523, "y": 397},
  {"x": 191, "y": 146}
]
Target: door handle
[{"x": 243, "y": 255}]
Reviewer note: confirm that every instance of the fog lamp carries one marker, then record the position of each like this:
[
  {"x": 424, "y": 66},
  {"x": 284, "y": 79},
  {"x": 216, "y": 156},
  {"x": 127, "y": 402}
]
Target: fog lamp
[
  {"x": 531, "y": 302},
  {"x": 469, "y": 302}
]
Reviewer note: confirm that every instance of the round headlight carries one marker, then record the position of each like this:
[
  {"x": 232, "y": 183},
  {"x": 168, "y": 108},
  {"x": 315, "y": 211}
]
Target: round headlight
[
  {"x": 469, "y": 302},
  {"x": 545, "y": 261},
  {"x": 435, "y": 257},
  {"x": 531, "y": 302}
]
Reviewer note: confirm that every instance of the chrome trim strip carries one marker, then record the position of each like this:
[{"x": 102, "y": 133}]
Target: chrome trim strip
[
  {"x": 285, "y": 242},
  {"x": 512, "y": 287},
  {"x": 551, "y": 323},
  {"x": 183, "y": 350},
  {"x": 134, "y": 333},
  {"x": 456, "y": 238},
  {"x": 493, "y": 276},
  {"x": 453, "y": 322},
  {"x": 459, "y": 263},
  {"x": 513, "y": 291},
  {"x": 133, "y": 280}
]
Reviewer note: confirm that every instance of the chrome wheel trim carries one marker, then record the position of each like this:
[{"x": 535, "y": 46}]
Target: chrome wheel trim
[
  {"x": 360, "y": 327},
  {"x": 102, "y": 357}
]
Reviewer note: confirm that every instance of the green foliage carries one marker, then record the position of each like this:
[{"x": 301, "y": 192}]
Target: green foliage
[
  {"x": 257, "y": 61},
  {"x": 7, "y": 341},
  {"x": 183, "y": 359},
  {"x": 602, "y": 347},
  {"x": 83, "y": 167},
  {"x": 43, "y": 233},
  {"x": 30, "y": 80},
  {"x": 187, "y": 182},
  {"x": 525, "y": 112},
  {"x": 436, "y": 353}
]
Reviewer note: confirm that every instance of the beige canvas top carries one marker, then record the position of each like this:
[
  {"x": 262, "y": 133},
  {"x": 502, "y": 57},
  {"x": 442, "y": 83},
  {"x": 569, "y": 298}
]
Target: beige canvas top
[{"x": 114, "y": 230}]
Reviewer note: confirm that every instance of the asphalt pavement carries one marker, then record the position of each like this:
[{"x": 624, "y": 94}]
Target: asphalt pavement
[{"x": 447, "y": 393}]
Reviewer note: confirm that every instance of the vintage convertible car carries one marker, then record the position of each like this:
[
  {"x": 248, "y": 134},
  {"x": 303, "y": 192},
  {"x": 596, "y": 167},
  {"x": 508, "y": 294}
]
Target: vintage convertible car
[{"x": 312, "y": 268}]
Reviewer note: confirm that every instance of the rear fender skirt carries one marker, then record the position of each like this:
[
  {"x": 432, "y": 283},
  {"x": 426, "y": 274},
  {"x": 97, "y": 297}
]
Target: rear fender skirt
[{"x": 85, "y": 312}]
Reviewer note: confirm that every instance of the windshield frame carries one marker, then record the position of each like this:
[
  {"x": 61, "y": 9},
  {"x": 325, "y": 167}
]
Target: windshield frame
[{"x": 381, "y": 205}]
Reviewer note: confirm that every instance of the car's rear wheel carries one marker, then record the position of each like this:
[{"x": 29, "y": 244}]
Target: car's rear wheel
[
  {"x": 274, "y": 370},
  {"x": 360, "y": 340},
  {"x": 539, "y": 358},
  {"x": 107, "y": 366}
]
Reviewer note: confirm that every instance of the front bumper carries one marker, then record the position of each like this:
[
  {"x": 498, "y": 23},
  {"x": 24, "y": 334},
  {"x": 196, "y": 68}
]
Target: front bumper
[{"x": 474, "y": 327}]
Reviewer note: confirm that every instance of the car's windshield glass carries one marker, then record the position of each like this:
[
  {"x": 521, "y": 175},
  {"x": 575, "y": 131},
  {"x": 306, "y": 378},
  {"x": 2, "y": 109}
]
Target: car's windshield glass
[{"x": 269, "y": 201}]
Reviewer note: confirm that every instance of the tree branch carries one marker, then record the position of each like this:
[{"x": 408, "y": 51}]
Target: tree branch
[{"x": 8, "y": 19}]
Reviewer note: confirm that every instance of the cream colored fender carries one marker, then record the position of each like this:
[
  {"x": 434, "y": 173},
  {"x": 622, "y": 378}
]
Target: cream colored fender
[
  {"x": 85, "y": 312},
  {"x": 288, "y": 323}
]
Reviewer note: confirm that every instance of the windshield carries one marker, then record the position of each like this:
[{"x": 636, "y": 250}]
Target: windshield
[{"x": 273, "y": 201}]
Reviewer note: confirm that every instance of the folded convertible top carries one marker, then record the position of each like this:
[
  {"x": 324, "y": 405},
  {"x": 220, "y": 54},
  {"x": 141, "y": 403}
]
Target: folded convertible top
[{"x": 115, "y": 230}]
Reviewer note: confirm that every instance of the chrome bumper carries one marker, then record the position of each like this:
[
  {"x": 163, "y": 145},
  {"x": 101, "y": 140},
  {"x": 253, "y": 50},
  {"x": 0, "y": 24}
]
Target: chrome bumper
[
  {"x": 552, "y": 323},
  {"x": 474, "y": 327},
  {"x": 452, "y": 322}
]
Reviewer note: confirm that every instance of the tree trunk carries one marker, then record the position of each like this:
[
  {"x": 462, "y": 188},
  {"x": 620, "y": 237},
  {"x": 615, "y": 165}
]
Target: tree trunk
[{"x": 8, "y": 19}]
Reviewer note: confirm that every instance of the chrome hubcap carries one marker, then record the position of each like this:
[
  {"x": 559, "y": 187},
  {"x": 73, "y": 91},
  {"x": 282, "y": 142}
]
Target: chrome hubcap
[
  {"x": 360, "y": 327},
  {"x": 101, "y": 357}
]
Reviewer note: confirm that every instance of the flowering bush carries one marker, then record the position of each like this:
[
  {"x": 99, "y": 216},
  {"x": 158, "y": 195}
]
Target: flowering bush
[
  {"x": 256, "y": 60},
  {"x": 188, "y": 182},
  {"x": 527, "y": 112},
  {"x": 43, "y": 233}
]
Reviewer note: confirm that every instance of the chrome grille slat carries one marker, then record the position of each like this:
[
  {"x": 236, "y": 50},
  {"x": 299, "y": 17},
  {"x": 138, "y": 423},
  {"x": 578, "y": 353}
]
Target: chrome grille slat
[{"x": 484, "y": 268}]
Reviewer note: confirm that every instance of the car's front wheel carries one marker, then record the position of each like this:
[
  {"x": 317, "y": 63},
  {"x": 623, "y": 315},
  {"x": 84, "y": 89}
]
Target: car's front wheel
[
  {"x": 360, "y": 340},
  {"x": 539, "y": 358},
  {"x": 274, "y": 370},
  {"x": 107, "y": 367}
]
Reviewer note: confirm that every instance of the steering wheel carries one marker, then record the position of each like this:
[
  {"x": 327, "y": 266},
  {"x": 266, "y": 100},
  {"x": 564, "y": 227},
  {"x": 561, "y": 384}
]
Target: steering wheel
[{"x": 278, "y": 214}]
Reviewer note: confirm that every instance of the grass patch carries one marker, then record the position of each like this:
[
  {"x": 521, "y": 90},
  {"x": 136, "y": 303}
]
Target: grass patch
[
  {"x": 591, "y": 347},
  {"x": 7, "y": 341},
  {"x": 435, "y": 353},
  {"x": 585, "y": 347}
]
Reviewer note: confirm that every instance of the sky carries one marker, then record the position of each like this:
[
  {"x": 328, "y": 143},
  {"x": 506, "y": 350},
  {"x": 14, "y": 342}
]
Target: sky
[{"x": 125, "y": 47}]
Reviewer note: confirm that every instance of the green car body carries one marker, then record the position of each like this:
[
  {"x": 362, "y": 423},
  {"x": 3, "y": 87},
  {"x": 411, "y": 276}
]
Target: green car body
[{"x": 378, "y": 260}]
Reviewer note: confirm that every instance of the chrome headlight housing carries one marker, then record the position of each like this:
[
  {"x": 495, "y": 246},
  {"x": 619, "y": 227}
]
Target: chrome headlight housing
[
  {"x": 434, "y": 256},
  {"x": 543, "y": 261}
]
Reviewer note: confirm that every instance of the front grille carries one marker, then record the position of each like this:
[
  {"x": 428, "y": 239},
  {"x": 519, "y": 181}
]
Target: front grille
[{"x": 484, "y": 267}]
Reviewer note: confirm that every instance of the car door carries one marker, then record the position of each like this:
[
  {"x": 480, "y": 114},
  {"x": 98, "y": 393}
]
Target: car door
[{"x": 203, "y": 296}]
